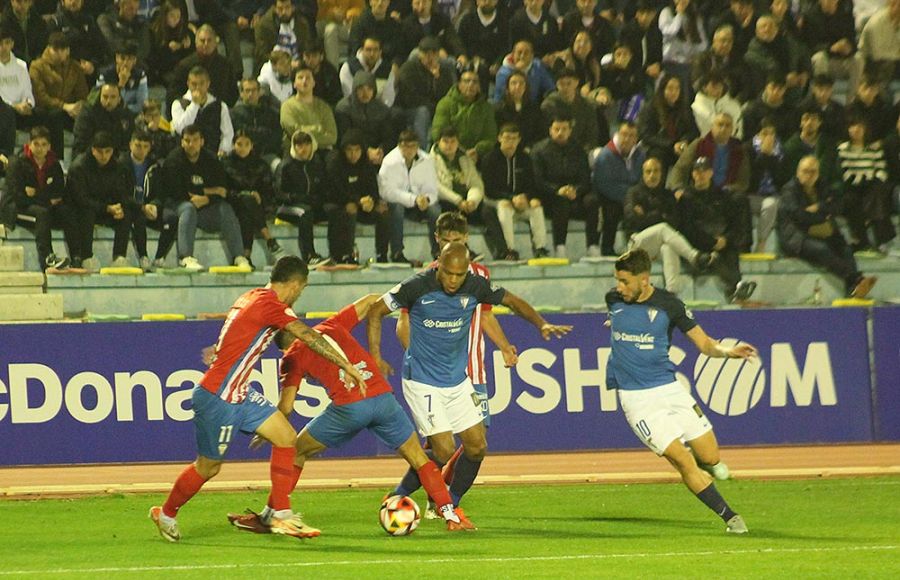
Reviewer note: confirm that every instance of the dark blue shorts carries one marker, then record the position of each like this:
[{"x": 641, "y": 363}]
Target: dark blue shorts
[
  {"x": 382, "y": 415},
  {"x": 481, "y": 391},
  {"x": 215, "y": 421}
]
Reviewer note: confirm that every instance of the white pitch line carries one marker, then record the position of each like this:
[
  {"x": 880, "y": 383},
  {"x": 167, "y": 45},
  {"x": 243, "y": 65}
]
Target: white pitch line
[{"x": 759, "y": 551}]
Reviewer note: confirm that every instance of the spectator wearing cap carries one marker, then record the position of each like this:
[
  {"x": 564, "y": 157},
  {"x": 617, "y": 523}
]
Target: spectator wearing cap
[
  {"x": 353, "y": 198},
  {"x": 567, "y": 101},
  {"x": 644, "y": 38},
  {"x": 28, "y": 29},
  {"x": 616, "y": 169},
  {"x": 879, "y": 49},
  {"x": 832, "y": 112},
  {"x": 223, "y": 82},
  {"x": 100, "y": 189},
  {"x": 370, "y": 58},
  {"x": 540, "y": 81},
  {"x": 460, "y": 187},
  {"x": 328, "y": 81},
  {"x": 375, "y": 21},
  {"x": 283, "y": 27},
  {"x": 712, "y": 99},
  {"x": 408, "y": 182},
  {"x": 726, "y": 155},
  {"x": 810, "y": 140},
  {"x": 869, "y": 104},
  {"x": 465, "y": 109},
  {"x": 534, "y": 23},
  {"x": 197, "y": 106},
  {"x": 713, "y": 222},
  {"x": 424, "y": 21},
  {"x": 89, "y": 46},
  {"x": 107, "y": 114},
  {"x": 121, "y": 23},
  {"x": 772, "y": 104},
  {"x": 16, "y": 97},
  {"x": 59, "y": 88},
  {"x": 421, "y": 83},
  {"x": 362, "y": 111},
  {"x": 307, "y": 113},
  {"x": 130, "y": 78},
  {"x": 807, "y": 228},
  {"x": 257, "y": 115},
  {"x": 830, "y": 33}
]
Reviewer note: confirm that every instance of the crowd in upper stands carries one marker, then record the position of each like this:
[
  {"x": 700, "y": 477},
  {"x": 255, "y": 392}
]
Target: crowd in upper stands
[{"x": 674, "y": 121}]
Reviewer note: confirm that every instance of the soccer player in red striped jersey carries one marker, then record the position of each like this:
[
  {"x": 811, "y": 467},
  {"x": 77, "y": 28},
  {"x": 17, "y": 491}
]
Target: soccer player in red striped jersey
[{"x": 223, "y": 403}]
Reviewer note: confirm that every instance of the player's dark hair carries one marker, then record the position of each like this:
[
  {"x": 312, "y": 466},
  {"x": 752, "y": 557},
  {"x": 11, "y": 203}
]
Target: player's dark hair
[
  {"x": 451, "y": 221},
  {"x": 287, "y": 268},
  {"x": 634, "y": 262}
]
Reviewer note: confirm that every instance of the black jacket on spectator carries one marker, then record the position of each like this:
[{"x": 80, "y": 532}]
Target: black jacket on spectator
[
  {"x": 94, "y": 187},
  {"x": 350, "y": 183},
  {"x": 439, "y": 26},
  {"x": 30, "y": 41},
  {"x": 834, "y": 117},
  {"x": 634, "y": 36},
  {"x": 544, "y": 36},
  {"x": 387, "y": 30},
  {"x": 892, "y": 154},
  {"x": 301, "y": 183},
  {"x": 21, "y": 173},
  {"x": 489, "y": 42},
  {"x": 880, "y": 117},
  {"x": 529, "y": 119},
  {"x": 372, "y": 118},
  {"x": 601, "y": 32},
  {"x": 732, "y": 68},
  {"x": 84, "y": 36},
  {"x": 417, "y": 87},
  {"x": 557, "y": 165},
  {"x": 766, "y": 171},
  {"x": 93, "y": 118},
  {"x": 261, "y": 123},
  {"x": 328, "y": 84},
  {"x": 785, "y": 117},
  {"x": 659, "y": 136},
  {"x": 821, "y": 30},
  {"x": 250, "y": 173},
  {"x": 658, "y": 205},
  {"x": 183, "y": 178},
  {"x": 504, "y": 178},
  {"x": 793, "y": 219},
  {"x": 117, "y": 32},
  {"x": 703, "y": 215}
]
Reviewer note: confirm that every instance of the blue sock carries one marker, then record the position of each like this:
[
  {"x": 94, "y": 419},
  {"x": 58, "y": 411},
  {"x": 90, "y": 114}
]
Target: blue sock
[
  {"x": 714, "y": 501},
  {"x": 410, "y": 482},
  {"x": 464, "y": 475}
]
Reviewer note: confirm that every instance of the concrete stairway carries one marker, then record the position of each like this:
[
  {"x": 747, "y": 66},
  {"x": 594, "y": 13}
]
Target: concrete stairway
[{"x": 22, "y": 296}]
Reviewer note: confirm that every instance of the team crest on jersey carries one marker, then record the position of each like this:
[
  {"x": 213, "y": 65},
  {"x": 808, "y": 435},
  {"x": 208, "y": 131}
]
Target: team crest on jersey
[
  {"x": 651, "y": 313},
  {"x": 464, "y": 301}
]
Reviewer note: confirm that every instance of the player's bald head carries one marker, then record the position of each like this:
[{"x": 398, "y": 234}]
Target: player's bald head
[{"x": 455, "y": 254}]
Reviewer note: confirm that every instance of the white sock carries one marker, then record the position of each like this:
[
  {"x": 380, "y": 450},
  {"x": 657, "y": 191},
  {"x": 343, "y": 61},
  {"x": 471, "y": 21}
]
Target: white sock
[
  {"x": 166, "y": 519},
  {"x": 449, "y": 514},
  {"x": 266, "y": 515},
  {"x": 282, "y": 514}
]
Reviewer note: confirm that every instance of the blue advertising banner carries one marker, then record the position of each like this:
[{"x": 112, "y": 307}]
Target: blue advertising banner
[
  {"x": 886, "y": 344},
  {"x": 95, "y": 393}
]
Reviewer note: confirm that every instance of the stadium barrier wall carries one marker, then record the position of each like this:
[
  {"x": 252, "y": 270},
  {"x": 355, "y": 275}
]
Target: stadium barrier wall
[{"x": 114, "y": 392}]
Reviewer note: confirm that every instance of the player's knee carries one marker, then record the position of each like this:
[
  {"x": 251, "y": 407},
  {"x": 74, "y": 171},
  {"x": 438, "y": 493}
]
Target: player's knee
[{"x": 476, "y": 451}]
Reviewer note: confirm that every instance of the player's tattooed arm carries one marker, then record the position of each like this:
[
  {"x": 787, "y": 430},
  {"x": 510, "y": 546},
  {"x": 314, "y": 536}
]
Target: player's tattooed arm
[
  {"x": 526, "y": 311},
  {"x": 320, "y": 346}
]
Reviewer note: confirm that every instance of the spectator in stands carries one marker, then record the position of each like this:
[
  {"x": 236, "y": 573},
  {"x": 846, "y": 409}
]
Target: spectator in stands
[
  {"x": 511, "y": 195},
  {"x": 741, "y": 16},
  {"x": 830, "y": 34},
  {"x": 772, "y": 55},
  {"x": 100, "y": 189},
  {"x": 140, "y": 164},
  {"x": 59, "y": 88},
  {"x": 28, "y": 29},
  {"x": 721, "y": 58},
  {"x": 251, "y": 194},
  {"x": 408, "y": 182},
  {"x": 684, "y": 37},
  {"x": 152, "y": 122},
  {"x": 107, "y": 114},
  {"x": 465, "y": 109},
  {"x": 195, "y": 189},
  {"x": 713, "y": 222},
  {"x": 580, "y": 57},
  {"x": 651, "y": 223},
  {"x": 666, "y": 124},
  {"x": 376, "y": 22},
  {"x": 421, "y": 83},
  {"x": 563, "y": 179},
  {"x": 171, "y": 41},
  {"x": 16, "y": 96},
  {"x": 730, "y": 163},
  {"x": 833, "y": 115},
  {"x": 89, "y": 46},
  {"x": 867, "y": 192},
  {"x": 130, "y": 79},
  {"x": 369, "y": 58},
  {"x": 771, "y": 104},
  {"x": 807, "y": 228},
  {"x": 334, "y": 21},
  {"x": 256, "y": 114},
  {"x": 879, "y": 50},
  {"x": 644, "y": 38},
  {"x": 460, "y": 187},
  {"x": 870, "y": 105},
  {"x": 362, "y": 111},
  {"x": 121, "y": 24},
  {"x": 213, "y": 13},
  {"x": 768, "y": 174},
  {"x": 540, "y": 81},
  {"x": 300, "y": 189},
  {"x": 197, "y": 106},
  {"x": 424, "y": 21},
  {"x": 223, "y": 82},
  {"x": 566, "y": 101},
  {"x": 485, "y": 37},
  {"x": 517, "y": 107},
  {"x": 712, "y": 99},
  {"x": 811, "y": 141},
  {"x": 276, "y": 76},
  {"x": 308, "y": 113},
  {"x": 281, "y": 27},
  {"x": 892, "y": 153},
  {"x": 616, "y": 169},
  {"x": 328, "y": 82},
  {"x": 353, "y": 194},
  {"x": 626, "y": 83},
  {"x": 35, "y": 197},
  {"x": 534, "y": 23},
  {"x": 583, "y": 16}
]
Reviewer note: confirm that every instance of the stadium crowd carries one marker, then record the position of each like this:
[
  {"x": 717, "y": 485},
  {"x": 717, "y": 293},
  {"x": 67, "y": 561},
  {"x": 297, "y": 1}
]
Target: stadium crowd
[{"x": 674, "y": 120}]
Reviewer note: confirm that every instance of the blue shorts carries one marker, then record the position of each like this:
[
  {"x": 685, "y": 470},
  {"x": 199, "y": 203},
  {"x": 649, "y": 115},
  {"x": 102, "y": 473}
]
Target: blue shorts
[
  {"x": 481, "y": 391},
  {"x": 215, "y": 420},
  {"x": 382, "y": 415}
]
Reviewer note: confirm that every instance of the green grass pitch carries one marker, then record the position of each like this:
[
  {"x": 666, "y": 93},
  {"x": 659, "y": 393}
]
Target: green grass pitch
[{"x": 806, "y": 528}]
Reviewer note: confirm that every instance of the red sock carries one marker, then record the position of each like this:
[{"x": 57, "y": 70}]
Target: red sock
[
  {"x": 284, "y": 476},
  {"x": 186, "y": 486},
  {"x": 448, "y": 468},
  {"x": 430, "y": 476}
]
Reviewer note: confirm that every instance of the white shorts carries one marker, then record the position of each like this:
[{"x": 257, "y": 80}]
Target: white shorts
[
  {"x": 439, "y": 410},
  {"x": 663, "y": 414}
]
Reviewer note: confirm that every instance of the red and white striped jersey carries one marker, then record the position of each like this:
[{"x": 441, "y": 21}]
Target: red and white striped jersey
[
  {"x": 476, "y": 335},
  {"x": 251, "y": 325}
]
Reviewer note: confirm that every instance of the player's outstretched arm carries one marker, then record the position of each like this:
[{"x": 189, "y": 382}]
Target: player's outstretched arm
[
  {"x": 376, "y": 313},
  {"x": 492, "y": 328},
  {"x": 526, "y": 311},
  {"x": 711, "y": 347},
  {"x": 320, "y": 346}
]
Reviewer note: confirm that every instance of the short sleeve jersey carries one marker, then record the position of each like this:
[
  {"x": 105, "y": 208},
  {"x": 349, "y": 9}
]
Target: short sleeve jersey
[
  {"x": 249, "y": 328},
  {"x": 439, "y": 325},
  {"x": 299, "y": 362},
  {"x": 641, "y": 336}
]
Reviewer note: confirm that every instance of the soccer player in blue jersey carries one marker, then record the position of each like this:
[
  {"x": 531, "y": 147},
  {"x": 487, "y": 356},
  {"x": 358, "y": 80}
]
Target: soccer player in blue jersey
[
  {"x": 439, "y": 393},
  {"x": 657, "y": 407}
]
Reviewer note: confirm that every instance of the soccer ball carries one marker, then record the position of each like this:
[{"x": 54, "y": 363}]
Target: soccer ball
[{"x": 399, "y": 515}]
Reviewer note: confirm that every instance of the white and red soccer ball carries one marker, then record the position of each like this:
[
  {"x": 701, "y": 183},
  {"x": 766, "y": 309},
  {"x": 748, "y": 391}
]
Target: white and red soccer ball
[{"x": 399, "y": 515}]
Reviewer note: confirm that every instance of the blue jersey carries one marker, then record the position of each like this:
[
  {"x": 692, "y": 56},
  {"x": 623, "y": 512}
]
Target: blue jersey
[
  {"x": 641, "y": 336},
  {"x": 439, "y": 325}
]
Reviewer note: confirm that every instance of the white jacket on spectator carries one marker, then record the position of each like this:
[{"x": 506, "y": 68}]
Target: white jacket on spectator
[
  {"x": 281, "y": 90},
  {"x": 15, "y": 82},
  {"x": 706, "y": 108},
  {"x": 397, "y": 184},
  {"x": 470, "y": 177}
]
